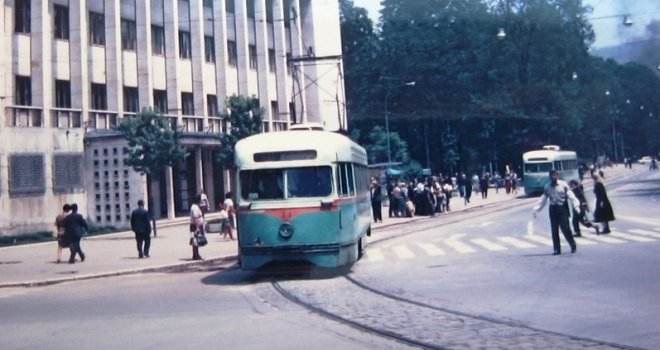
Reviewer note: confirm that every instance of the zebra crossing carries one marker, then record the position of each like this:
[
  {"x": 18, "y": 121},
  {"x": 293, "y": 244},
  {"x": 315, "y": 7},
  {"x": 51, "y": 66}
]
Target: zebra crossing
[{"x": 462, "y": 244}]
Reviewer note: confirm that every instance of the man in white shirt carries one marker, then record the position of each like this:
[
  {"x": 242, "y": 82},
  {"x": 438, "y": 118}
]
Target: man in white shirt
[{"x": 558, "y": 194}]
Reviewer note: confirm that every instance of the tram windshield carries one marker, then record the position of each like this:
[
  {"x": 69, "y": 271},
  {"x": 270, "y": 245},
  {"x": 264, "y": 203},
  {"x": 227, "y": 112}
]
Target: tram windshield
[
  {"x": 273, "y": 184},
  {"x": 538, "y": 167}
]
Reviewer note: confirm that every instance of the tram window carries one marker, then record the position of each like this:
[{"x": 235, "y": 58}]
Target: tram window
[
  {"x": 351, "y": 180},
  {"x": 309, "y": 182},
  {"x": 342, "y": 179},
  {"x": 262, "y": 184},
  {"x": 538, "y": 167}
]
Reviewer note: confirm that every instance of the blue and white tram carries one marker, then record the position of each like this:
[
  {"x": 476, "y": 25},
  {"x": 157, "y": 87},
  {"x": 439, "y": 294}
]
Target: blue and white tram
[
  {"x": 301, "y": 196},
  {"x": 537, "y": 164}
]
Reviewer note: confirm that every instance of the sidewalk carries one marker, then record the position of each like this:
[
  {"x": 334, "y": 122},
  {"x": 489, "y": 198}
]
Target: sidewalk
[{"x": 116, "y": 254}]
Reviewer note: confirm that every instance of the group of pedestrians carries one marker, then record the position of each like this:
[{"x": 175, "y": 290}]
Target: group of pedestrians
[
  {"x": 70, "y": 226},
  {"x": 198, "y": 210},
  {"x": 560, "y": 195}
]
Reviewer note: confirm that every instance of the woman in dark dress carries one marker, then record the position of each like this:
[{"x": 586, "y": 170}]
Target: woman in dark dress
[{"x": 603, "y": 212}]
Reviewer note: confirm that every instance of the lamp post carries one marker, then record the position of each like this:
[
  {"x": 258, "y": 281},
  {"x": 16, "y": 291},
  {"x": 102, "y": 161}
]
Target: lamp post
[
  {"x": 387, "y": 119},
  {"x": 607, "y": 93}
]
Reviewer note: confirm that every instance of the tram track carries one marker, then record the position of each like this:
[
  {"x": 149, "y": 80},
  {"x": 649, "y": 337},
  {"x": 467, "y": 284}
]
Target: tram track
[{"x": 418, "y": 323}]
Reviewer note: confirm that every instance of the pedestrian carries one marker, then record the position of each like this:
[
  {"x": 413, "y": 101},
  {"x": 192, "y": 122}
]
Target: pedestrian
[
  {"x": 483, "y": 185},
  {"x": 468, "y": 193},
  {"x": 225, "y": 229},
  {"x": 203, "y": 201},
  {"x": 376, "y": 199},
  {"x": 141, "y": 226},
  {"x": 603, "y": 212},
  {"x": 196, "y": 227},
  {"x": 59, "y": 231},
  {"x": 580, "y": 217},
  {"x": 75, "y": 227},
  {"x": 559, "y": 195},
  {"x": 231, "y": 215},
  {"x": 390, "y": 197}
]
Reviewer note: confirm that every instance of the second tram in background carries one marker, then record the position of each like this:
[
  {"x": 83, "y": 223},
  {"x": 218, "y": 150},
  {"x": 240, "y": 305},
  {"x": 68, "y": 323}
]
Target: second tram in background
[
  {"x": 538, "y": 163},
  {"x": 303, "y": 195}
]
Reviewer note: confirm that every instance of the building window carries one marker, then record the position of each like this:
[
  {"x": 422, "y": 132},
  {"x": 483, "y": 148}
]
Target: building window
[
  {"x": 23, "y": 94},
  {"x": 232, "y": 54},
  {"x": 269, "y": 11},
  {"x": 157, "y": 40},
  {"x": 209, "y": 49},
  {"x": 187, "y": 103},
  {"x": 250, "y": 8},
  {"x": 288, "y": 63},
  {"x": 229, "y": 6},
  {"x": 253, "y": 56},
  {"x": 26, "y": 174},
  {"x": 160, "y": 101},
  {"x": 96, "y": 28},
  {"x": 22, "y": 16},
  {"x": 185, "y": 49},
  {"x": 128, "y": 35},
  {"x": 131, "y": 100},
  {"x": 62, "y": 94},
  {"x": 61, "y": 25},
  {"x": 208, "y": 3},
  {"x": 67, "y": 170},
  {"x": 212, "y": 105},
  {"x": 99, "y": 97},
  {"x": 271, "y": 60},
  {"x": 274, "y": 110}
]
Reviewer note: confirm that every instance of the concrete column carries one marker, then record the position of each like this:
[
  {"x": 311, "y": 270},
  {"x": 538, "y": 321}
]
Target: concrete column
[
  {"x": 220, "y": 35},
  {"x": 42, "y": 42},
  {"x": 169, "y": 192},
  {"x": 78, "y": 51},
  {"x": 144, "y": 63},
  {"x": 171, "y": 24},
  {"x": 282, "y": 79},
  {"x": 197, "y": 42},
  {"x": 297, "y": 51},
  {"x": 209, "y": 172},
  {"x": 113, "y": 56},
  {"x": 199, "y": 173},
  {"x": 261, "y": 33},
  {"x": 242, "y": 47}
]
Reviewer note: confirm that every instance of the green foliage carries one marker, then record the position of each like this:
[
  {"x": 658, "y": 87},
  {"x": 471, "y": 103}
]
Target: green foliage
[
  {"x": 485, "y": 100},
  {"x": 246, "y": 119},
  {"x": 152, "y": 143}
]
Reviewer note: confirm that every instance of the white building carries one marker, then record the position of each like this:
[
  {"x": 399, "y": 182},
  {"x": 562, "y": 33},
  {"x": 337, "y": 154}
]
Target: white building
[{"x": 69, "y": 70}]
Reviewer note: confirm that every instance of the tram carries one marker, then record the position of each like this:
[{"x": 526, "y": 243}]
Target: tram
[
  {"x": 538, "y": 163},
  {"x": 302, "y": 195}
]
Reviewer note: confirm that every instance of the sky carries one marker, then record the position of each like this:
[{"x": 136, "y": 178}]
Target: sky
[{"x": 606, "y": 18}]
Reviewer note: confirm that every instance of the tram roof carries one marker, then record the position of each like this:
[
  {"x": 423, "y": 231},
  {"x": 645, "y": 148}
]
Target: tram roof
[
  {"x": 329, "y": 146},
  {"x": 549, "y": 154}
]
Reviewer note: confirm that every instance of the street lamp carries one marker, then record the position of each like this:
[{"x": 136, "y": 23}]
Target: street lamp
[{"x": 387, "y": 119}]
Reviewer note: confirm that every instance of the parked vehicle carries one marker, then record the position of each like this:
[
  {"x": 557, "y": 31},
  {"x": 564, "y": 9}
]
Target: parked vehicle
[{"x": 645, "y": 160}]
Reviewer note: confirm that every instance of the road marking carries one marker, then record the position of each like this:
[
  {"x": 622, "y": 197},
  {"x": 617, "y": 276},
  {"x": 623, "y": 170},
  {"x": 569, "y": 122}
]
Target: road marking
[
  {"x": 539, "y": 239},
  {"x": 585, "y": 240},
  {"x": 632, "y": 237},
  {"x": 518, "y": 243},
  {"x": 375, "y": 254},
  {"x": 648, "y": 233},
  {"x": 403, "y": 252},
  {"x": 642, "y": 220},
  {"x": 431, "y": 249},
  {"x": 606, "y": 239},
  {"x": 460, "y": 246},
  {"x": 492, "y": 246}
]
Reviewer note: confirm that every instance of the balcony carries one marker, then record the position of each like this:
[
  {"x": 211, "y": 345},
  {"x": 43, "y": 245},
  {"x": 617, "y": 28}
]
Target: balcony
[
  {"x": 66, "y": 118},
  {"x": 24, "y": 116}
]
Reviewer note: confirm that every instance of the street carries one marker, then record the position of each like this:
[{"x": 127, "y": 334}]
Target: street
[{"x": 473, "y": 279}]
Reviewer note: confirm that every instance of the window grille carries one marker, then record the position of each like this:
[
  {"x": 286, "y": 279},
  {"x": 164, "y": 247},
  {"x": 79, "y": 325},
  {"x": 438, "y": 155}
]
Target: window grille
[
  {"x": 67, "y": 170},
  {"x": 26, "y": 174}
]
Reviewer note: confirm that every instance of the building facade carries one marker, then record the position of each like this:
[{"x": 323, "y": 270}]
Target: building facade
[{"x": 76, "y": 68}]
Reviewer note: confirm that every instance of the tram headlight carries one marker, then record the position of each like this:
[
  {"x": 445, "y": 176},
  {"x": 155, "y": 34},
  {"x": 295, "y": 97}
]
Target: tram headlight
[{"x": 286, "y": 230}]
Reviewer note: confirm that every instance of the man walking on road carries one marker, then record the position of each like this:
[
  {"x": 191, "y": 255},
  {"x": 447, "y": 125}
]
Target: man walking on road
[
  {"x": 75, "y": 227},
  {"x": 141, "y": 226},
  {"x": 558, "y": 193}
]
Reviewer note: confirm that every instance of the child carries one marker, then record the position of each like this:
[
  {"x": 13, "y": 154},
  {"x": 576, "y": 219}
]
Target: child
[{"x": 224, "y": 221}]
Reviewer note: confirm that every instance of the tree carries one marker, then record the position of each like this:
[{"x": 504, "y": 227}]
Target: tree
[
  {"x": 152, "y": 143},
  {"x": 245, "y": 118}
]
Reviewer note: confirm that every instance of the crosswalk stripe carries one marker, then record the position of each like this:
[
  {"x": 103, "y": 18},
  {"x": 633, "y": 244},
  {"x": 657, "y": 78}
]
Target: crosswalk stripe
[
  {"x": 606, "y": 239},
  {"x": 585, "y": 240},
  {"x": 539, "y": 239},
  {"x": 375, "y": 254},
  {"x": 645, "y": 232},
  {"x": 492, "y": 246},
  {"x": 628, "y": 236},
  {"x": 460, "y": 246},
  {"x": 403, "y": 252},
  {"x": 516, "y": 242},
  {"x": 431, "y": 249}
]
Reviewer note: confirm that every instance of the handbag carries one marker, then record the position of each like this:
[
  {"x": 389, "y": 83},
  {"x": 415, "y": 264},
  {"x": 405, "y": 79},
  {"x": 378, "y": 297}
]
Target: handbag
[{"x": 201, "y": 240}]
